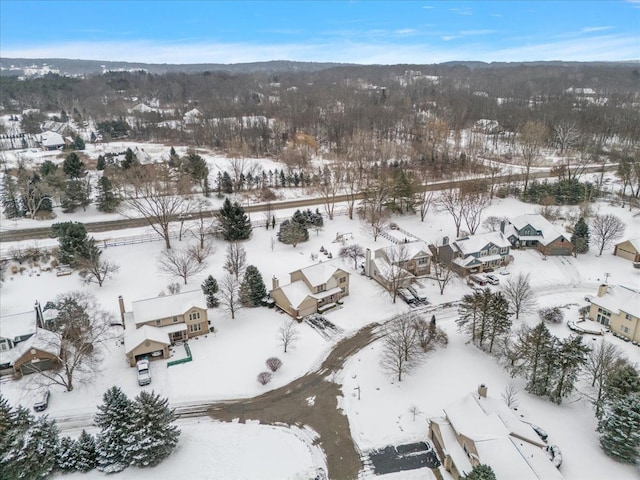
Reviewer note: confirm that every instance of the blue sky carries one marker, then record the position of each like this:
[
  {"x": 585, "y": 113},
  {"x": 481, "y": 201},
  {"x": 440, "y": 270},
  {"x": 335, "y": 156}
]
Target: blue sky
[{"x": 386, "y": 32}]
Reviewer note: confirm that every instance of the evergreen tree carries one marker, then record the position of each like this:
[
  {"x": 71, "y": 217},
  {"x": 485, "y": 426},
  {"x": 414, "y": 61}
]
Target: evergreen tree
[
  {"x": 78, "y": 143},
  {"x": 72, "y": 166},
  {"x": 252, "y": 288},
  {"x": 154, "y": 434},
  {"x": 73, "y": 241},
  {"x": 292, "y": 233},
  {"x": 580, "y": 237},
  {"x": 107, "y": 200},
  {"x": 102, "y": 163},
  {"x": 196, "y": 167},
  {"x": 620, "y": 429},
  {"x": 624, "y": 381},
  {"x": 481, "y": 472},
  {"x": 76, "y": 194},
  {"x": 283, "y": 179},
  {"x": 64, "y": 455},
  {"x": 48, "y": 168},
  {"x": 569, "y": 357},
  {"x": 29, "y": 439},
  {"x": 114, "y": 442},
  {"x": 10, "y": 197},
  {"x": 84, "y": 452},
  {"x": 226, "y": 184},
  {"x": 234, "y": 223},
  {"x": 534, "y": 349},
  {"x": 499, "y": 323},
  {"x": 7, "y": 419},
  {"x": 210, "y": 288},
  {"x": 130, "y": 159}
]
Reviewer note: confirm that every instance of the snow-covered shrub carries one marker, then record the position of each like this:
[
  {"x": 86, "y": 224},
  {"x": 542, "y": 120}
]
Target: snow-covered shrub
[
  {"x": 264, "y": 377},
  {"x": 274, "y": 363},
  {"x": 551, "y": 314}
]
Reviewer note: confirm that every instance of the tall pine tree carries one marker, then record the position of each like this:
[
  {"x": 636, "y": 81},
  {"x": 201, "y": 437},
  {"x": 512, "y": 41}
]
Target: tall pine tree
[
  {"x": 107, "y": 200},
  {"x": 252, "y": 288},
  {"x": 114, "y": 442},
  {"x": 234, "y": 223},
  {"x": 569, "y": 357},
  {"x": 620, "y": 429},
  {"x": 84, "y": 452},
  {"x": 210, "y": 288},
  {"x": 154, "y": 434},
  {"x": 10, "y": 197},
  {"x": 534, "y": 349},
  {"x": 580, "y": 237},
  {"x": 481, "y": 472}
]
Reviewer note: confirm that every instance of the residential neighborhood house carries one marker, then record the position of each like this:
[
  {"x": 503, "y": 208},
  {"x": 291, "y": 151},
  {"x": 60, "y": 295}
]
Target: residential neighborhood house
[
  {"x": 37, "y": 353},
  {"x": 51, "y": 140},
  {"x": 412, "y": 257},
  {"x": 312, "y": 289},
  {"x": 156, "y": 323},
  {"x": 617, "y": 307},
  {"x": 479, "y": 429},
  {"x": 475, "y": 253},
  {"x": 629, "y": 249},
  {"x": 535, "y": 231}
]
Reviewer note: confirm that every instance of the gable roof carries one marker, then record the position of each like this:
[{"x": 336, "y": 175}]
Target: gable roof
[
  {"x": 296, "y": 293},
  {"x": 18, "y": 325},
  {"x": 319, "y": 273},
  {"x": 51, "y": 139},
  {"x": 549, "y": 231},
  {"x": 619, "y": 298},
  {"x": 167, "y": 306},
  {"x": 43, "y": 340},
  {"x": 476, "y": 243},
  {"x": 412, "y": 249},
  {"x": 635, "y": 243},
  {"x": 134, "y": 338}
]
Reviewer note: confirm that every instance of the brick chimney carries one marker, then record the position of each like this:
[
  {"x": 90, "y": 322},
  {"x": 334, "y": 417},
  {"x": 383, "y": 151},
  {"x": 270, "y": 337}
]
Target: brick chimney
[
  {"x": 445, "y": 241},
  {"x": 602, "y": 289},
  {"x": 503, "y": 224},
  {"x": 121, "y": 305},
  {"x": 482, "y": 391},
  {"x": 275, "y": 283}
]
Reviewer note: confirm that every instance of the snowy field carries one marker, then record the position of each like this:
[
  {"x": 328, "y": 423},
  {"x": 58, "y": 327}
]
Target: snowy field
[{"x": 226, "y": 363}]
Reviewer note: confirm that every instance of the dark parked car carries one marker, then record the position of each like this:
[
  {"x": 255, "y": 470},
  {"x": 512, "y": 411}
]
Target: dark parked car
[{"x": 42, "y": 401}]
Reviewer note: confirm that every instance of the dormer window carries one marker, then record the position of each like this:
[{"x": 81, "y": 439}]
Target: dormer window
[{"x": 322, "y": 288}]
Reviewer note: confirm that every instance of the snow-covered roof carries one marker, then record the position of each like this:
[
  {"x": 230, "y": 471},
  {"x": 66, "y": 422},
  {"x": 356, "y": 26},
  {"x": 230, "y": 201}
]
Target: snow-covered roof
[
  {"x": 134, "y": 338},
  {"x": 43, "y": 340},
  {"x": 476, "y": 243},
  {"x": 619, "y": 298},
  {"x": 504, "y": 442},
  {"x": 327, "y": 293},
  {"x": 18, "y": 325},
  {"x": 537, "y": 221},
  {"x": 319, "y": 273},
  {"x": 51, "y": 139},
  {"x": 467, "y": 261},
  {"x": 635, "y": 243},
  {"x": 167, "y": 306},
  {"x": 296, "y": 292},
  {"x": 411, "y": 249},
  {"x": 452, "y": 447}
]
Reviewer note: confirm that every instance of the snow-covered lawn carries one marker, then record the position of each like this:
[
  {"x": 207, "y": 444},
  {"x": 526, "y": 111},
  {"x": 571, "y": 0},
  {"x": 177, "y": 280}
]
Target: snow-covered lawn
[{"x": 226, "y": 363}]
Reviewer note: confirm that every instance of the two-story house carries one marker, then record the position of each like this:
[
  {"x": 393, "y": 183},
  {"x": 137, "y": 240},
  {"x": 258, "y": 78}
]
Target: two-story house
[
  {"x": 155, "y": 323},
  {"x": 617, "y": 307},
  {"x": 479, "y": 429},
  {"x": 316, "y": 288},
  {"x": 476, "y": 253},
  {"x": 403, "y": 262},
  {"x": 535, "y": 231}
]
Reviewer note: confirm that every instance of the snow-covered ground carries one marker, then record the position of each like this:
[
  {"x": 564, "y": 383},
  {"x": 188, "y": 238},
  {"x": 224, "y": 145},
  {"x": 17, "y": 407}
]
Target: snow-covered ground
[{"x": 226, "y": 363}]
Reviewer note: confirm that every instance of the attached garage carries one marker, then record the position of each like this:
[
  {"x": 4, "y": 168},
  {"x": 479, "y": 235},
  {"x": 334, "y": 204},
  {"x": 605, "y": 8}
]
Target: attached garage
[
  {"x": 146, "y": 342},
  {"x": 629, "y": 250},
  {"x": 559, "y": 251},
  {"x": 36, "y": 366}
]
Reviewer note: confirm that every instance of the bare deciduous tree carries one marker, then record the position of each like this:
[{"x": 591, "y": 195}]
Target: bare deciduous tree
[
  {"x": 180, "y": 263},
  {"x": 452, "y": 202},
  {"x": 440, "y": 272},
  {"x": 80, "y": 331},
  {"x": 264, "y": 377},
  {"x": 510, "y": 396},
  {"x": 328, "y": 188},
  {"x": 605, "y": 229},
  {"x": 199, "y": 252},
  {"x": 401, "y": 350},
  {"x": 374, "y": 219},
  {"x": 288, "y": 334},
  {"x": 235, "y": 260},
  {"x": 519, "y": 294},
  {"x": 96, "y": 269},
  {"x": 229, "y": 289},
  {"x": 565, "y": 135},
  {"x": 533, "y": 135},
  {"x": 155, "y": 198},
  {"x": 353, "y": 252},
  {"x": 474, "y": 203},
  {"x": 603, "y": 361},
  {"x": 394, "y": 274}
]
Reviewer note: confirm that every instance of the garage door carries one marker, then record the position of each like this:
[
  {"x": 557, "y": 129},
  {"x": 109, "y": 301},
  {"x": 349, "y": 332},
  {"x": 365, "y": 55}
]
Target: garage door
[
  {"x": 559, "y": 251},
  {"x": 625, "y": 254},
  {"x": 35, "y": 367},
  {"x": 308, "y": 310}
]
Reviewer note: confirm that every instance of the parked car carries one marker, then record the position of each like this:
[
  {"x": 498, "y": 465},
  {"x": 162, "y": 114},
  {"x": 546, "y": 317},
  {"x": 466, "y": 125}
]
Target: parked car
[
  {"x": 144, "y": 374},
  {"x": 42, "y": 401},
  {"x": 406, "y": 295},
  {"x": 492, "y": 279},
  {"x": 418, "y": 292},
  {"x": 479, "y": 279}
]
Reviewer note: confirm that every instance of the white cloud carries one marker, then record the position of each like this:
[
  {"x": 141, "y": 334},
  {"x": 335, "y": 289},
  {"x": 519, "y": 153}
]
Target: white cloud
[
  {"x": 428, "y": 7},
  {"x": 467, "y": 33},
  {"x": 405, "y": 31},
  {"x": 594, "y": 29},
  {"x": 462, "y": 11},
  {"x": 383, "y": 50}
]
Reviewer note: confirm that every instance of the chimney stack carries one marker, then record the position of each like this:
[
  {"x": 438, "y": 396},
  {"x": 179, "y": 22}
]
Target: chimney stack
[
  {"x": 602, "y": 289},
  {"x": 503, "y": 224},
  {"x": 367, "y": 262},
  {"x": 275, "y": 283},
  {"x": 121, "y": 304},
  {"x": 445, "y": 241},
  {"x": 482, "y": 391},
  {"x": 39, "y": 316}
]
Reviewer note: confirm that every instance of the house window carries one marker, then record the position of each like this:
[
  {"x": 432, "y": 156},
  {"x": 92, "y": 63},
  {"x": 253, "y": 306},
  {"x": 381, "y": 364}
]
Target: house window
[
  {"x": 322, "y": 288},
  {"x": 194, "y": 315},
  {"x": 158, "y": 323},
  {"x": 627, "y": 316},
  {"x": 343, "y": 290},
  {"x": 625, "y": 329},
  {"x": 423, "y": 260},
  {"x": 175, "y": 319},
  {"x": 604, "y": 312},
  {"x": 343, "y": 279},
  {"x": 504, "y": 250},
  {"x": 483, "y": 253},
  {"x": 196, "y": 327},
  {"x": 494, "y": 251}
]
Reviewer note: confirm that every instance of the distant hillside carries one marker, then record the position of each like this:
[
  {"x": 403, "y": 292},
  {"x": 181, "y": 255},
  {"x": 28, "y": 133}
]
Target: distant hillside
[{"x": 64, "y": 66}]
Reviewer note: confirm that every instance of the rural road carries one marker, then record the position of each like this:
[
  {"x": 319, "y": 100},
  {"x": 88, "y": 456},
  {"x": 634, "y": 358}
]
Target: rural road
[{"x": 13, "y": 235}]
